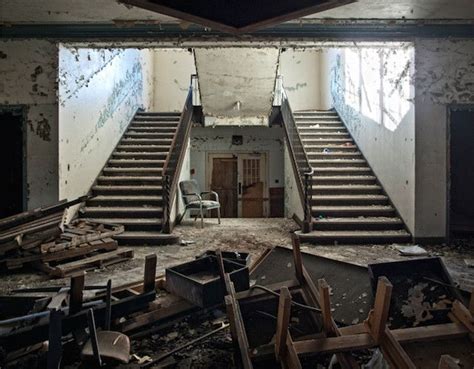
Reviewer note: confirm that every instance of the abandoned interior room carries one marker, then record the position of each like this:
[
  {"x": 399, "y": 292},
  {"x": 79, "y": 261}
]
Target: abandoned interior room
[{"x": 237, "y": 184}]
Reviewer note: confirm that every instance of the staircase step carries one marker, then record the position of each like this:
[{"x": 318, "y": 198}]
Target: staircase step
[
  {"x": 131, "y": 172},
  {"x": 158, "y": 114},
  {"x": 125, "y": 180},
  {"x": 126, "y": 190},
  {"x": 128, "y": 200},
  {"x": 151, "y": 126},
  {"x": 319, "y": 141},
  {"x": 346, "y": 189},
  {"x": 331, "y": 162},
  {"x": 136, "y": 238},
  {"x": 356, "y": 237},
  {"x": 326, "y": 135},
  {"x": 119, "y": 212},
  {"x": 332, "y": 171},
  {"x": 359, "y": 223},
  {"x": 344, "y": 180},
  {"x": 142, "y": 148},
  {"x": 353, "y": 211},
  {"x": 133, "y": 224},
  {"x": 151, "y": 134},
  {"x": 349, "y": 200},
  {"x": 313, "y": 148},
  {"x": 323, "y": 129},
  {"x": 333, "y": 155},
  {"x": 146, "y": 141},
  {"x": 156, "y": 119},
  {"x": 130, "y": 163}
]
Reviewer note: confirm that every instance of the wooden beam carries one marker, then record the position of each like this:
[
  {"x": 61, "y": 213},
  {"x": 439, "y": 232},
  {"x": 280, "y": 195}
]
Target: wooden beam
[
  {"x": 331, "y": 345},
  {"x": 430, "y": 333},
  {"x": 326, "y": 307},
  {"x": 292, "y": 361},
  {"x": 447, "y": 362},
  {"x": 55, "y": 346},
  {"x": 378, "y": 319},
  {"x": 297, "y": 257},
  {"x": 463, "y": 314},
  {"x": 150, "y": 273},
  {"x": 283, "y": 322},
  {"x": 394, "y": 352},
  {"x": 76, "y": 293}
]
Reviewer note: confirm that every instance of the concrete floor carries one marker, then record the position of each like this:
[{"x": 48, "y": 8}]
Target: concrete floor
[{"x": 251, "y": 235}]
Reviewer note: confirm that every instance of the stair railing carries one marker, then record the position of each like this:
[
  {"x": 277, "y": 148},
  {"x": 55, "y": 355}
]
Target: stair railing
[
  {"x": 299, "y": 160},
  {"x": 175, "y": 158}
]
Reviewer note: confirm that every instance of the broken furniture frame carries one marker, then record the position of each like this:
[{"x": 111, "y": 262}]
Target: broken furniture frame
[{"x": 341, "y": 341}]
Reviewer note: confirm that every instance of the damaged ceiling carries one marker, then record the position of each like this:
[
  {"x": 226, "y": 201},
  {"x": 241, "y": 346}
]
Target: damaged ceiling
[{"x": 237, "y": 15}]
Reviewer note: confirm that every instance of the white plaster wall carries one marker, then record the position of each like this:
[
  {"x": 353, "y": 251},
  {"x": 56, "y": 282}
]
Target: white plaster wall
[
  {"x": 28, "y": 72},
  {"x": 231, "y": 76},
  {"x": 293, "y": 204},
  {"x": 372, "y": 89},
  {"x": 172, "y": 76},
  {"x": 444, "y": 76},
  {"x": 185, "y": 175},
  {"x": 255, "y": 139},
  {"x": 301, "y": 78},
  {"x": 99, "y": 92}
]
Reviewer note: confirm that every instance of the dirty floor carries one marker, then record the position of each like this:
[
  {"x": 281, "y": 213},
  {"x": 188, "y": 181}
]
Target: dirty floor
[{"x": 253, "y": 236}]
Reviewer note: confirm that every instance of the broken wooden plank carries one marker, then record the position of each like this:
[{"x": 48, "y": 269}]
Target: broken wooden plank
[
  {"x": 150, "y": 273},
  {"x": 283, "y": 322}
]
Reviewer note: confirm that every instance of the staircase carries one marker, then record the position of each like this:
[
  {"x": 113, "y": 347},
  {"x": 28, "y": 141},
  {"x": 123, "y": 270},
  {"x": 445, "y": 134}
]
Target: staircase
[
  {"x": 348, "y": 204},
  {"x": 129, "y": 189}
]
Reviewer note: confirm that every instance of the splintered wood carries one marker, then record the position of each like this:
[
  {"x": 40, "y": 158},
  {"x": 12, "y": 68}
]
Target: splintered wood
[
  {"x": 40, "y": 238},
  {"x": 396, "y": 345}
]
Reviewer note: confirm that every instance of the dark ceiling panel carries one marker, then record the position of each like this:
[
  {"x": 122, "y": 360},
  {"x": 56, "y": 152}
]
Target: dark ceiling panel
[{"x": 237, "y": 15}]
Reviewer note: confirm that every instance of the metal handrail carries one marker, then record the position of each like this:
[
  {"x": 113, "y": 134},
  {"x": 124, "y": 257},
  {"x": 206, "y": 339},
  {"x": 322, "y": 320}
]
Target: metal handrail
[
  {"x": 174, "y": 160},
  {"x": 299, "y": 160}
]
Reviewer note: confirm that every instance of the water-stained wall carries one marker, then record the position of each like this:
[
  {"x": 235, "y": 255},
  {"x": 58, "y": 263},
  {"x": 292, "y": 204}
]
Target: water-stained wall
[
  {"x": 99, "y": 92},
  {"x": 236, "y": 84},
  {"x": 301, "y": 70},
  {"x": 28, "y": 71},
  {"x": 444, "y": 76},
  {"x": 372, "y": 89},
  {"x": 172, "y": 75}
]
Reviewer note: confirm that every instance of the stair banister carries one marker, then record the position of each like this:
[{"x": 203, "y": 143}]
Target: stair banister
[
  {"x": 299, "y": 159},
  {"x": 175, "y": 157}
]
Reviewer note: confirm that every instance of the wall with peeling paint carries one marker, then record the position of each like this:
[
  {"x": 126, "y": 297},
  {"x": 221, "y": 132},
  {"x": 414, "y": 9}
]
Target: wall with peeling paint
[
  {"x": 444, "y": 76},
  {"x": 99, "y": 92},
  {"x": 372, "y": 89},
  {"x": 172, "y": 74},
  {"x": 293, "y": 203},
  {"x": 236, "y": 84},
  {"x": 28, "y": 72},
  {"x": 209, "y": 140},
  {"x": 301, "y": 78}
]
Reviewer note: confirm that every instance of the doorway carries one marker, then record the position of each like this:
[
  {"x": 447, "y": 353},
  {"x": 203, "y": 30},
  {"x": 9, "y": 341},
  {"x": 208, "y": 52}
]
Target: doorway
[
  {"x": 461, "y": 170},
  {"x": 241, "y": 182},
  {"x": 12, "y": 145}
]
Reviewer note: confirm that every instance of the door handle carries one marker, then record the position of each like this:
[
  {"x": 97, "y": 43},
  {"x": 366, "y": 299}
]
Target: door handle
[{"x": 240, "y": 188}]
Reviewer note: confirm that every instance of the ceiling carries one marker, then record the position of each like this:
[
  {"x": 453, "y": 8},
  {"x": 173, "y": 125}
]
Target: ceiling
[{"x": 110, "y": 11}]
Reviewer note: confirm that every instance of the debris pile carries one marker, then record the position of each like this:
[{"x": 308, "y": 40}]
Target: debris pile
[
  {"x": 287, "y": 309},
  {"x": 41, "y": 239}
]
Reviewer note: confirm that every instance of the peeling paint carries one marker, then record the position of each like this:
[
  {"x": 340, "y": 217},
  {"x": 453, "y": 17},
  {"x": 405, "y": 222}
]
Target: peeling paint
[{"x": 43, "y": 129}]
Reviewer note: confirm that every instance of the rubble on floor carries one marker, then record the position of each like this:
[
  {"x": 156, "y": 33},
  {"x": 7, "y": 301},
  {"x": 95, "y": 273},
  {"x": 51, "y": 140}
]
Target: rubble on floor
[
  {"x": 41, "y": 239},
  {"x": 298, "y": 311}
]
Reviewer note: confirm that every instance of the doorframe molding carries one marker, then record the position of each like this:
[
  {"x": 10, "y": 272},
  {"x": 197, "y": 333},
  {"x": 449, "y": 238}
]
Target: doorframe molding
[
  {"x": 210, "y": 155},
  {"x": 21, "y": 110}
]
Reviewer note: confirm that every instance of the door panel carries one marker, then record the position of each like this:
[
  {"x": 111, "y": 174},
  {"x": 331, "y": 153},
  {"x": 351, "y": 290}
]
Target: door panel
[
  {"x": 252, "y": 182},
  {"x": 224, "y": 182}
]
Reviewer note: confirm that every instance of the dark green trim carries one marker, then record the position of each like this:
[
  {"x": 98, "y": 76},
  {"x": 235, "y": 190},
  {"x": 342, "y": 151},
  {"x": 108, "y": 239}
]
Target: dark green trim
[{"x": 340, "y": 31}]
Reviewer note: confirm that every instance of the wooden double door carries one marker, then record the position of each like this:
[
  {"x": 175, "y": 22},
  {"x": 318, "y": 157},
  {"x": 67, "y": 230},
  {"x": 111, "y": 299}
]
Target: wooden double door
[{"x": 241, "y": 182}]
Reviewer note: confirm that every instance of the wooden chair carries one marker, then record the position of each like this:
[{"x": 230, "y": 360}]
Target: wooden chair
[{"x": 193, "y": 200}]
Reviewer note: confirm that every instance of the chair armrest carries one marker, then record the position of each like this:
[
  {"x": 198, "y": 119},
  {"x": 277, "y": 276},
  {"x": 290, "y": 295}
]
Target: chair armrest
[
  {"x": 195, "y": 195},
  {"x": 211, "y": 193}
]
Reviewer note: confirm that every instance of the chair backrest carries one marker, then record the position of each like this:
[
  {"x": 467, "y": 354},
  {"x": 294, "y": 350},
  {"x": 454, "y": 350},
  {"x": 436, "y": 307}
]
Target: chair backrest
[{"x": 187, "y": 188}]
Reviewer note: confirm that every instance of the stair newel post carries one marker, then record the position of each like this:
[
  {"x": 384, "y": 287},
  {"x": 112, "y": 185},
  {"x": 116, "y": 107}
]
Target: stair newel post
[
  {"x": 166, "y": 204},
  {"x": 308, "y": 186}
]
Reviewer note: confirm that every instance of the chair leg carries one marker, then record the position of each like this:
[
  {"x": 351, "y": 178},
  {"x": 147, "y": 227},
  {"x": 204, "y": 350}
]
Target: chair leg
[
  {"x": 202, "y": 218},
  {"x": 219, "y": 214}
]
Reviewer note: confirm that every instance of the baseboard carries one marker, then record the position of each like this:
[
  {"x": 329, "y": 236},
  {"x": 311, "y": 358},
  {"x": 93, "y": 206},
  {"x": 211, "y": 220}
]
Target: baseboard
[{"x": 430, "y": 240}]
